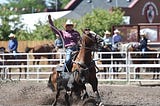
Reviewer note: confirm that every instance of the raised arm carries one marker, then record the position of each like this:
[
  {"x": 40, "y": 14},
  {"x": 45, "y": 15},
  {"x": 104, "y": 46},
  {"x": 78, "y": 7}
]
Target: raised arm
[{"x": 54, "y": 29}]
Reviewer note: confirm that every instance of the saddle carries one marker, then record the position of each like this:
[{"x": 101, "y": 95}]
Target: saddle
[{"x": 60, "y": 67}]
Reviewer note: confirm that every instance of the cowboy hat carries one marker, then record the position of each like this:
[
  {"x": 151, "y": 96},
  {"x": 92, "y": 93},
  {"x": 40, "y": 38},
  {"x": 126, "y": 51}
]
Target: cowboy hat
[
  {"x": 11, "y": 35},
  {"x": 68, "y": 22},
  {"x": 107, "y": 32},
  {"x": 142, "y": 33},
  {"x": 116, "y": 31}
]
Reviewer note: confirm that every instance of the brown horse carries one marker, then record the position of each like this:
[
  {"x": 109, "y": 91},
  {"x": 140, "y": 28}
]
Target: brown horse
[
  {"x": 134, "y": 47},
  {"x": 79, "y": 86},
  {"x": 8, "y": 59},
  {"x": 90, "y": 43},
  {"x": 45, "y": 48}
]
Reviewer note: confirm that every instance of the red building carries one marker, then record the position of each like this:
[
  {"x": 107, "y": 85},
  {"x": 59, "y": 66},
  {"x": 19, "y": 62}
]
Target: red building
[
  {"x": 144, "y": 15},
  {"x": 143, "y": 11}
]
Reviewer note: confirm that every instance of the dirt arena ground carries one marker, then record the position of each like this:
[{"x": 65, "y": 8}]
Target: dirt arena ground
[{"x": 26, "y": 93}]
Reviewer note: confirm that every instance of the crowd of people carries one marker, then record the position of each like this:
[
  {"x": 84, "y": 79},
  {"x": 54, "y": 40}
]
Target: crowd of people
[{"x": 70, "y": 38}]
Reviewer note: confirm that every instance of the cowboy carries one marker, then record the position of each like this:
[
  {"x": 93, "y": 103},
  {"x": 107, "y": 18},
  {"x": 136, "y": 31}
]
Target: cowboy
[
  {"x": 143, "y": 43},
  {"x": 13, "y": 44},
  {"x": 70, "y": 38},
  {"x": 107, "y": 39},
  {"x": 116, "y": 39}
]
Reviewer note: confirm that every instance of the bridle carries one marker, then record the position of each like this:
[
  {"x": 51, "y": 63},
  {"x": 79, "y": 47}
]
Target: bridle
[{"x": 93, "y": 39}]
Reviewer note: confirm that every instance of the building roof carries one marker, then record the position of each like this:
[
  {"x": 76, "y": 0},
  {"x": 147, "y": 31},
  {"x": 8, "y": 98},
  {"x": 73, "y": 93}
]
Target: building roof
[
  {"x": 29, "y": 21},
  {"x": 81, "y": 7}
]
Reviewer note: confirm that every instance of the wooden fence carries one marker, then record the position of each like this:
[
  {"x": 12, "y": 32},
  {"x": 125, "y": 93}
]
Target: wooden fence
[{"x": 23, "y": 44}]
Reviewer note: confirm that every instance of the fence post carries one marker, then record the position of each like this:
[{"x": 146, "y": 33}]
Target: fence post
[
  {"x": 27, "y": 66},
  {"x": 128, "y": 67}
]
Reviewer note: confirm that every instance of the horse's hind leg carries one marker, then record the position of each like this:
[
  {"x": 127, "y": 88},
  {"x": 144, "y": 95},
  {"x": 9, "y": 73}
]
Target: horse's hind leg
[
  {"x": 25, "y": 72},
  {"x": 67, "y": 98},
  {"x": 158, "y": 73},
  {"x": 157, "y": 70},
  {"x": 9, "y": 76},
  {"x": 0, "y": 73},
  {"x": 137, "y": 71},
  {"x": 105, "y": 70},
  {"x": 55, "y": 101},
  {"x": 52, "y": 82}
]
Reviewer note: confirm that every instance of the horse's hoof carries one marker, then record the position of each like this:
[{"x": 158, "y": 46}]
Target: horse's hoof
[
  {"x": 89, "y": 102},
  {"x": 100, "y": 104},
  {"x": 85, "y": 96},
  {"x": 54, "y": 103}
]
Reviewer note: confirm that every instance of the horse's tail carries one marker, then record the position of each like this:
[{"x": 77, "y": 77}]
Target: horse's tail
[{"x": 28, "y": 49}]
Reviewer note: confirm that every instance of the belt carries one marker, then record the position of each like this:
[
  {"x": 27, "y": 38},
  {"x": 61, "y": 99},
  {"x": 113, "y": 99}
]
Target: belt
[
  {"x": 60, "y": 46},
  {"x": 68, "y": 47}
]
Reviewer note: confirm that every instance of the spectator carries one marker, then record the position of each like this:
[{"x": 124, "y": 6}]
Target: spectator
[
  {"x": 58, "y": 43},
  {"x": 86, "y": 30},
  {"x": 116, "y": 39},
  {"x": 143, "y": 42},
  {"x": 12, "y": 44},
  {"x": 107, "y": 39},
  {"x": 71, "y": 40}
]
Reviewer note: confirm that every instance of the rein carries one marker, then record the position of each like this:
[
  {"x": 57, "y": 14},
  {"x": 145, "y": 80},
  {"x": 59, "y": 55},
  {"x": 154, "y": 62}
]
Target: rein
[{"x": 88, "y": 48}]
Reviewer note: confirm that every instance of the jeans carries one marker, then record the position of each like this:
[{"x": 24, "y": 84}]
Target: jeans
[
  {"x": 143, "y": 50},
  {"x": 68, "y": 59},
  {"x": 14, "y": 54}
]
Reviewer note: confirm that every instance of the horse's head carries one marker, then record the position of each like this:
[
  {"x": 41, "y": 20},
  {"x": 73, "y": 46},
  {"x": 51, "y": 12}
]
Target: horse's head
[
  {"x": 134, "y": 47},
  {"x": 2, "y": 49},
  {"x": 91, "y": 40}
]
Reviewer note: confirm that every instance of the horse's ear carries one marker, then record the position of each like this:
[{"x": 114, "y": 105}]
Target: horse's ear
[{"x": 83, "y": 31}]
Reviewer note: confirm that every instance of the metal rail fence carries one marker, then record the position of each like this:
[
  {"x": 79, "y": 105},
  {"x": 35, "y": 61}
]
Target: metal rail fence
[{"x": 126, "y": 70}]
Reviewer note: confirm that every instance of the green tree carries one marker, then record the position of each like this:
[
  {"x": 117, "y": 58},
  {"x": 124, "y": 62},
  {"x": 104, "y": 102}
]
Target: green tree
[
  {"x": 26, "y": 6},
  {"x": 42, "y": 31},
  {"x": 64, "y": 3},
  {"x": 100, "y": 20},
  {"x": 33, "y": 6},
  {"x": 10, "y": 23}
]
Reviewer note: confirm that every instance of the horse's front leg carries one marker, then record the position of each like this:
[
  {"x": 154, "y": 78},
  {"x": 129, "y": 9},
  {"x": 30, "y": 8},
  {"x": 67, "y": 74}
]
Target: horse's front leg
[
  {"x": 94, "y": 84},
  {"x": 85, "y": 93}
]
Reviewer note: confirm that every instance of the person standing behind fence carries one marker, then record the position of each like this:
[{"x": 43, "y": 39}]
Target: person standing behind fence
[
  {"x": 70, "y": 38},
  {"x": 58, "y": 43},
  {"x": 143, "y": 43},
  {"x": 13, "y": 44},
  {"x": 116, "y": 38},
  {"x": 107, "y": 39}
]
